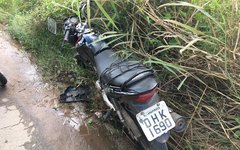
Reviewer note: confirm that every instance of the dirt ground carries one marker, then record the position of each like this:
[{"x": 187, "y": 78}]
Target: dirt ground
[{"x": 27, "y": 119}]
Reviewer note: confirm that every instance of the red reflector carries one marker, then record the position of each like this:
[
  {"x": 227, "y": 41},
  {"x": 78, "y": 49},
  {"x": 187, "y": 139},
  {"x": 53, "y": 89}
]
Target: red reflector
[{"x": 143, "y": 98}]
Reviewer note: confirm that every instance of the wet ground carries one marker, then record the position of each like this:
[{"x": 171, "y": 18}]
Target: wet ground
[{"x": 28, "y": 119}]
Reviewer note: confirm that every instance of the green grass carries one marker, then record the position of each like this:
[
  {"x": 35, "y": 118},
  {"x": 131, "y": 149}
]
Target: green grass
[
  {"x": 193, "y": 46},
  {"x": 28, "y": 25}
]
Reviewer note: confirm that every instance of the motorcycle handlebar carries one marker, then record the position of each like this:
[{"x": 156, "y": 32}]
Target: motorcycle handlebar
[{"x": 66, "y": 35}]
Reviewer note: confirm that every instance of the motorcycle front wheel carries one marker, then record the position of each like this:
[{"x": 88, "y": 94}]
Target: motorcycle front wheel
[{"x": 3, "y": 80}]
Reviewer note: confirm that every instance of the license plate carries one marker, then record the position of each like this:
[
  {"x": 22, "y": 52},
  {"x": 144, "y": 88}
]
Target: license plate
[{"x": 155, "y": 120}]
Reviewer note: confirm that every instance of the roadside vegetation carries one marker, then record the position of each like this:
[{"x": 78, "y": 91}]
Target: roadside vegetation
[{"x": 193, "y": 45}]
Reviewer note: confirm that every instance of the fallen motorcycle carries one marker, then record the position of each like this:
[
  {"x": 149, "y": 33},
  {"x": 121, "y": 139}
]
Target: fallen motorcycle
[
  {"x": 3, "y": 80},
  {"x": 128, "y": 87}
]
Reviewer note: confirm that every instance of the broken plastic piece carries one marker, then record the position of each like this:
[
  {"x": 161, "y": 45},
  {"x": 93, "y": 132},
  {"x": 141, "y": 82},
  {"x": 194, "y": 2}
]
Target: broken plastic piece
[{"x": 75, "y": 94}]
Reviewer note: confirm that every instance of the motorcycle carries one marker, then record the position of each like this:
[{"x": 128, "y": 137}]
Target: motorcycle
[
  {"x": 3, "y": 80},
  {"x": 128, "y": 87}
]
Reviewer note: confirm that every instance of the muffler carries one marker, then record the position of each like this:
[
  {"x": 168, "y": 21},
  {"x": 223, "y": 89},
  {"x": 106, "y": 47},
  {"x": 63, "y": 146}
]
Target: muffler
[{"x": 180, "y": 121}]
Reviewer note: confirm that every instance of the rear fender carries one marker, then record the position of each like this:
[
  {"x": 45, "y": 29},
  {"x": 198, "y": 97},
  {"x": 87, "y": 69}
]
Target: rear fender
[{"x": 137, "y": 107}]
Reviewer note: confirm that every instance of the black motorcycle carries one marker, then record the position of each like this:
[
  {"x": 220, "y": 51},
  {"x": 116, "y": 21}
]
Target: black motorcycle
[
  {"x": 128, "y": 87},
  {"x": 3, "y": 80}
]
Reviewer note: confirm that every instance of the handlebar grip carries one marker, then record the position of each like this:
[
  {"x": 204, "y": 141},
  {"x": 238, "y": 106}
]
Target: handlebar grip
[{"x": 66, "y": 35}]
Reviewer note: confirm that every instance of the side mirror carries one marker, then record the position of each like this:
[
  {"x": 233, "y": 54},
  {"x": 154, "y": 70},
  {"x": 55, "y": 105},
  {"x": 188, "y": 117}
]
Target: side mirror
[{"x": 52, "y": 25}]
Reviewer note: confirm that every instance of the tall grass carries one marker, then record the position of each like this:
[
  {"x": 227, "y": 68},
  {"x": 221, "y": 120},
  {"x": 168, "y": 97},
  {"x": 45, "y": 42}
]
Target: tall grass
[{"x": 192, "y": 45}]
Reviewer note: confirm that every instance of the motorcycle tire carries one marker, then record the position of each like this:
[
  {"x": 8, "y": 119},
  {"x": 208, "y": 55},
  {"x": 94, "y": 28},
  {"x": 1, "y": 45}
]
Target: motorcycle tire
[
  {"x": 3, "y": 80},
  {"x": 142, "y": 141},
  {"x": 146, "y": 145}
]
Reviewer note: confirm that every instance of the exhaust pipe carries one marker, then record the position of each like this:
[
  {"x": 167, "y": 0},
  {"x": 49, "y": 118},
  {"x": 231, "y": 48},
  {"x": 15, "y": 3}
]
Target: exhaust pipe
[{"x": 180, "y": 121}]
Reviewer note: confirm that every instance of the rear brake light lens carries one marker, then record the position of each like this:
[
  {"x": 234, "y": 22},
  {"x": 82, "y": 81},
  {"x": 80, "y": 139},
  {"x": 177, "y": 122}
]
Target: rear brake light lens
[{"x": 143, "y": 98}]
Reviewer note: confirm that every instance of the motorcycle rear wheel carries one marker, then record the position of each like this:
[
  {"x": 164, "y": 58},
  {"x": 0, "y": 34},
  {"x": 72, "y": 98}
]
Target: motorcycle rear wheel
[
  {"x": 3, "y": 80},
  {"x": 141, "y": 141},
  {"x": 146, "y": 145}
]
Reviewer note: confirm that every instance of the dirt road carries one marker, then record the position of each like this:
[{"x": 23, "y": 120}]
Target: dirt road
[{"x": 27, "y": 120}]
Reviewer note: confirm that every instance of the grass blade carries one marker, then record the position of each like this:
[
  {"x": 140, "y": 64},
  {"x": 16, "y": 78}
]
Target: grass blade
[
  {"x": 108, "y": 37},
  {"x": 88, "y": 13},
  {"x": 106, "y": 14},
  {"x": 182, "y": 82},
  {"x": 201, "y": 9},
  {"x": 193, "y": 30}
]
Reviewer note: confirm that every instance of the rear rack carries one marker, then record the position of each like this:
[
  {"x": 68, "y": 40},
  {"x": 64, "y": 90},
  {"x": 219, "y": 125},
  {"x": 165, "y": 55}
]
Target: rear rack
[{"x": 133, "y": 72}]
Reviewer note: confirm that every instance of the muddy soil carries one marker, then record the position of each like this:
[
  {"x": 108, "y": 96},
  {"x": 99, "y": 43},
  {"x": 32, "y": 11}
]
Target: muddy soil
[{"x": 28, "y": 115}]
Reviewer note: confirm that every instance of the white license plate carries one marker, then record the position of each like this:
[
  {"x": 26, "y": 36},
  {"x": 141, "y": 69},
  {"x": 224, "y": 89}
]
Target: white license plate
[{"x": 155, "y": 120}]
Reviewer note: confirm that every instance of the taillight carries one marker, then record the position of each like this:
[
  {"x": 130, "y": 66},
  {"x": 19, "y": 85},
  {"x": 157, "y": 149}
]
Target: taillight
[{"x": 143, "y": 98}]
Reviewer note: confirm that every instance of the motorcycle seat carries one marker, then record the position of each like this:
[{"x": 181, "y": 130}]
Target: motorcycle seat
[{"x": 125, "y": 75}]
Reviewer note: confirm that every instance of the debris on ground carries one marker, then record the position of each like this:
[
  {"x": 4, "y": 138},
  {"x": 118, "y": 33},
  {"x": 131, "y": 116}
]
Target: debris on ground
[
  {"x": 75, "y": 94},
  {"x": 73, "y": 122},
  {"x": 98, "y": 114}
]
